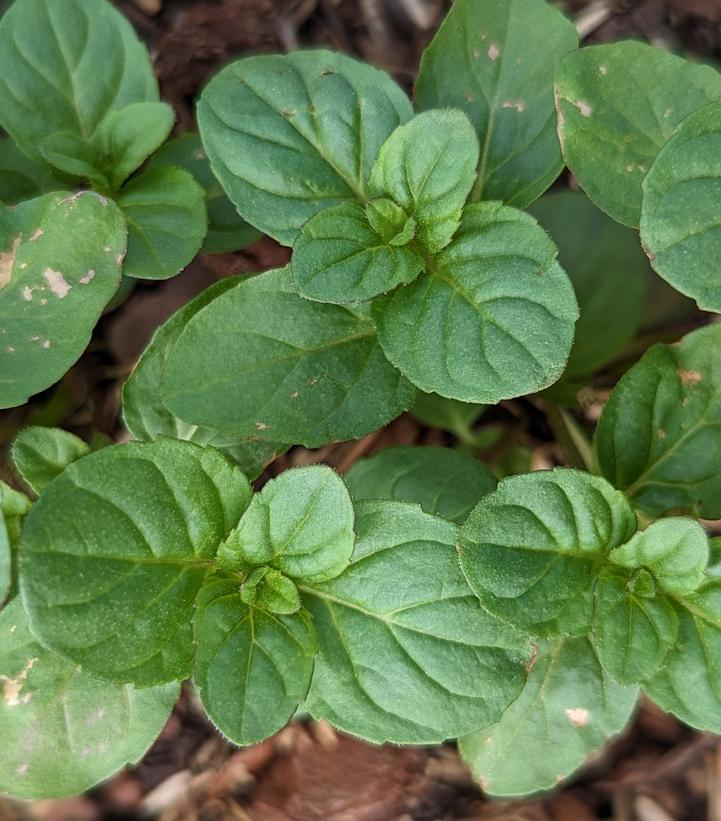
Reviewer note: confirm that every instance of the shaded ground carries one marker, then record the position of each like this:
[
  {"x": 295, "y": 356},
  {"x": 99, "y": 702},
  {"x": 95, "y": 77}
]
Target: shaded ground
[{"x": 658, "y": 770}]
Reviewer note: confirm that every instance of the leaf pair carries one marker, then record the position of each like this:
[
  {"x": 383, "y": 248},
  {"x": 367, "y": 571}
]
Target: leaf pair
[{"x": 648, "y": 156}]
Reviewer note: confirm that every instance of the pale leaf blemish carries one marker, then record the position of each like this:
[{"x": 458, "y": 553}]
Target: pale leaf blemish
[
  {"x": 7, "y": 260},
  {"x": 12, "y": 687},
  {"x": 689, "y": 377},
  {"x": 119, "y": 259},
  {"x": 629, "y": 169},
  {"x": 9, "y": 349},
  {"x": 37, "y": 233},
  {"x": 107, "y": 249},
  {"x": 295, "y": 395},
  {"x": 578, "y": 716},
  {"x": 661, "y": 433},
  {"x": 45, "y": 343},
  {"x": 200, "y": 154},
  {"x": 603, "y": 70},
  {"x": 667, "y": 113},
  {"x": 28, "y": 293},
  {"x": 518, "y": 105},
  {"x": 86, "y": 278},
  {"x": 21, "y": 770},
  {"x": 95, "y": 717},
  {"x": 57, "y": 282},
  {"x": 584, "y": 107},
  {"x": 493, "y": 52},
  {"x": 261, "y": 426},
  {"x": 476, "y": 53}
]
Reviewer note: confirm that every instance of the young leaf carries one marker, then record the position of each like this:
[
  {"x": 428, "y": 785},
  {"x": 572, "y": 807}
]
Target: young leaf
[
  {"x": 679, "y": 214},
  {"x": 442, "y": 481},
  {"x": 73, "y": 155},
  {"x": 604, "y": 261},
  {"x": 428, "y": 167},
  {"x": 339, "y": 258},
  {"x": 147, "y": 418},
  {"x": 536, "y": 543},
  {"x": 659, "y": 436},
  {"x": 675, "y": 551},
  {"x": 76, "y": 61},
  {"x": 633, "y": 629},
  {"x": 41, "y": 454},
  {"x": 689, "y": 683},
  {"x": 129, "y": 136},
  {"x": 140, "y": 525},
  {"x": 165, "y": 211},
  {"x": 567, "y": 709},
  {"x": 262, "y": 361},
  {"x": 268, "y": 589},
  {"x": 492, "y": 317},
  {"x": 288, "y": 136},
  {"x": 495, "y": 61},
  {"x": 60, "y": 258},
  {"x": 62, "y": 731},
  {"x": 252, "y": 668},
  {"x": 415, "y": 662},
  {"x": 447, "y": 414},
  {"x": 14, "y": 506},
  {"x": 301, "y": 523},
  {"x": 227, "y": 230},
  {"x": 20, "y": 177},
  {"x": 617, "y": 105}
]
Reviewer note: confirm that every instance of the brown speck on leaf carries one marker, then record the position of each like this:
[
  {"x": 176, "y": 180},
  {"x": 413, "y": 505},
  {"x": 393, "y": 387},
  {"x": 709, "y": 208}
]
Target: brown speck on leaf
[
  {"x": 578, "y": 716},
  {"x": 689, "y": 377},
  {"x": 327, "y": 72},
  {"x": 287, "y": 113},
  {"x": 7, "y": 260}
]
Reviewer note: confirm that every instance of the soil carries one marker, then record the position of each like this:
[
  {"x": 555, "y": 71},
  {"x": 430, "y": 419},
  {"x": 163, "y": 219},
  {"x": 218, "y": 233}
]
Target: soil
[{"x": 657, "y": 770}]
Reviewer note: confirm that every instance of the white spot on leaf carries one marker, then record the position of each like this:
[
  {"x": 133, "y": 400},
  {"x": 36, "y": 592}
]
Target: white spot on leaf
[
  {"x": 7, "y": 260},
  {"x": 493, "y": 52},
  {"x": 578, "y": 716},
  {"x": 28, "y": 293},
  {"x": 37, "y": 233},
  {"x": 84, "y": 280},
  {"x": 517, "y": 104},
  {"x": 585, "y": 109},
  {"x": 603, "y": 70},
  {"x": 57, "y": 282},
  {"x": 12, "y": 687}
]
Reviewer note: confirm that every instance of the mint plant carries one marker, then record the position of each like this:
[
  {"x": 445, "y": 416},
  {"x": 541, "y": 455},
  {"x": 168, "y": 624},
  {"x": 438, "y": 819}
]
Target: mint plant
[
  {"x": 422, "y": 597},
  {"x": 80, "y": 104}
]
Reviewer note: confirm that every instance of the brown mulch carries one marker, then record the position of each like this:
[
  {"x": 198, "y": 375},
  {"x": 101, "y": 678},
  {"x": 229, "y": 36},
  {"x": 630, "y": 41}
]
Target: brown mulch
[{"x": 657, "y": 770}]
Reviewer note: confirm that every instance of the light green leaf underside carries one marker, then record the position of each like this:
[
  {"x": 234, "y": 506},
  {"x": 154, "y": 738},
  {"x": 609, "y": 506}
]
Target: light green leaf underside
[
  {"x": 491, "y": 319},
  {"x": 608, "y": 271},
  {"x": 65, "y": 65},
  {"x": 427, "y": 166},
  {"x": 5, "y": 560},
  {"x": 534, "y": 545},
  {"x": 139, "y": 524},
  {"x": 632, "y": 634},
  {"x": 442, "y": 481},
  {"x": 62, "y": 731},
  {"x": 567, "y": 709},
  {"x": 227, "y": 230},
  {"x": 60, "y": 258},
  {"x": 680, "y": 225},
  {"x": 416, "y": 661},
  {"x": 290, "y": 135},
  {"x": 659, "y": 436},
  {"x": 252, "y": 668},
  {"x": 41, "y": 454},
  {"x": 20, "y": 177},
  {"x": 147, "y": 418},
  {"x": 165, "y": 211},
  {"x": 617, "y": 106},
  {"x": 262, "y": 361},
  {"x": 338, "y": 258},
  {"x": 300, "y": 523},
  {"x": 495, "y": 61},
  {"x": 689, "y": 683}
]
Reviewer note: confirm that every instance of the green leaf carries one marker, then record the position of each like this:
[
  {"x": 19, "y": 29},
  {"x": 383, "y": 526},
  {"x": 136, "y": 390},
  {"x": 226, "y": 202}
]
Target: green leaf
[
  {"x": 536, "y": 543},
  {"x": 632, "y": 632},
  {"x": 290, "y": 135},
  {"x": 14, "y": 506},
  {"x": 495, "y": 61},
  {"x": 447, "y": 414},
  {"x": 252, "y": 668},
  {"x": 41, "y": 454},
  {"x": 20, "y": 177},
  {"x": 73, "y": 155},
  {"x": 60, "y": 258},
  {"x": 608, "y": 271},
  {"x": 5, "y": 561},
  {"x": 617, "y": 105},
  {"x": 428, "y": 167},
  {"x": 62, "y": 731},
  {"x": 406, "y": 653},
  {"x": 339, "y": 258},
  {"x": 227, "y": 230},
  {"x": 147, "y": 418},
  {"x": 390, "y": 221},
  {"x": 301, "y": 523},
  {"x": 442, "y": 481},
  {"x": 129, "y": 136},
  {"x": 271, "y": 591},
  {"x": 567, "y": 710},
  {"x": 165, "y": 211},
  {"x": 139, "y": 524},
  {"x": 679, "y": 215},
  {"x": 492, "y": 318},
  {"x": 65, "y": 65},
  {"x": 659, "y": 436},
  {"x": 675, "y": 551},
  {"x": 689, "y": 683},
  {"x": 262, "y": 361}
]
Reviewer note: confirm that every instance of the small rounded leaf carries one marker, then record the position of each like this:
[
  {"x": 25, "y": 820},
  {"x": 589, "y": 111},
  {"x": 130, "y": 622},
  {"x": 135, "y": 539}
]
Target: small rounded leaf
[{"x": 41, "y": 454}]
